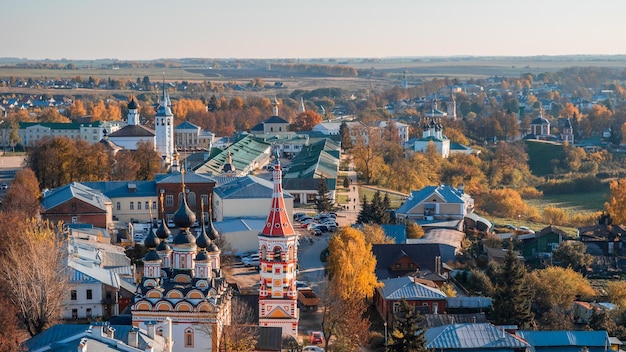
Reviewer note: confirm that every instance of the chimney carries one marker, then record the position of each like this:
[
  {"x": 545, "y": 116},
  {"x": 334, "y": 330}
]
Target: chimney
[
  {"x": 133, "y": 337},
  {"x": 150, "y": 327},
  {"x": 82, "y": 346},
  {"x": 110, "y": 332},
  {"x": 98, "y": 329}
]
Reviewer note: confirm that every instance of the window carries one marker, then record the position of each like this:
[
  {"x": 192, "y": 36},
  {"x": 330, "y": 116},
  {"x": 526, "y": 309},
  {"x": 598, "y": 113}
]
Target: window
[
  {"x": 74, "y": 313},
  {"x": 153, "y": 205},
  {"x": 188, "y": 337},
  {"x": 277, "y": 254},
  {"x": 192, "y": 199},
  {"x": 118, "y": 206},
  {"x": 169, "y": 200},
  {"x": 205, "y": 200},
  {"x": 181, "y": 196},
  {"x": 89, "y": 294},
  {"x": 148, "y": 205},
  {"x": 74, "y": 219},
  {"x": 132, "y": 205},
  {"x": 397, "y": 266},
  {"x": 74, "y": 207},
  {"x": 159, "y": 331},
  {"x": 138, "y": 205},
  {"x": 73, "y": 295},
  {"x": 396, "y": 307},
  {"x": 88, "y": 312}
]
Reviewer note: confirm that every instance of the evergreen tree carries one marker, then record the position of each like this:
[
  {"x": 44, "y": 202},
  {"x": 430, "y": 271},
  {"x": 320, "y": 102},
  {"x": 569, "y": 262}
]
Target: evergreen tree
[
  {"x": 375, "y": 212},
  {"x": 365, "y": 216},
  {"x": 323, "y": 201},
  {"x": 346, "y": 182},
  {"x": 512, "y": 298},
  {"x": 407, "y": 334},
  {"x": 344, "y": 132}
]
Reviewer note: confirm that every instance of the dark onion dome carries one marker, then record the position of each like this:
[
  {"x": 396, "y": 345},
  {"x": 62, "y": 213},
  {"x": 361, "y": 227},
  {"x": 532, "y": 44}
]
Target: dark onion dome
[
  {"x": 202, "y": 255},
  {"x": 184, "y": 237},
  {"x": 213, "y": 247},
  {"x": 163, "y": 232},
  {"x": 151, "y": 241},
  {"x": 184, "y": 217},
  {"x": 213, "y": 234},
  {"x": 203, "y": 240},
  {"x": 132, "y": 105},
  {"x": 163, "y": 246},
  {"x": 152, "y": 255}
]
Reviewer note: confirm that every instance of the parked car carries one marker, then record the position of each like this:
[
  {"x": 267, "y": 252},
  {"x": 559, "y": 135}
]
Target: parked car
[
  {"x": 525, "y": 229},
  {"x": 317, "y": 337},
  {"x": 252, "y": 260},
  {"x": 4, "y": 186},
  {"x": 298, "y": 215},
  {"x": 312, "y": 348}
]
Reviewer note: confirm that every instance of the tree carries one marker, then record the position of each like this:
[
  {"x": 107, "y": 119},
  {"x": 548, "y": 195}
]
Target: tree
[
  {"x": 305, "y": 121},
  {"x": 571, "y": 254},
  {"x": 512, "y": 299},
  {"x": 617, "y": 292},
  {"x": 374, "y": 234},
  {"x": 616, "y": 206},
  {"x": 346, "y": 182},
  {"x": 35, "y": 272},
  {"x": 351, "y": 264},
  {"x": 556, "y": 286},
  {"x": 241, "y": 335},
  {"x": 24, "y": 195},
  {"x": 8, "y": 326},
  {"x": 414, "y": 230},
  {"x": 124, "y": 167},
  {"x": 148, "y": 160},
  {"x": 344, "y": 132},
  {"x": 375, "y": 212},
  {"x": 322, "y": 201},
  {"x": 407, "y": 333}
]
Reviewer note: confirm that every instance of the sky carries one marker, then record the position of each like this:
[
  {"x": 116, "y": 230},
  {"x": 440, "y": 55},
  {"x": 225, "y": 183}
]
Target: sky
[{"x": 154, "y": 29}]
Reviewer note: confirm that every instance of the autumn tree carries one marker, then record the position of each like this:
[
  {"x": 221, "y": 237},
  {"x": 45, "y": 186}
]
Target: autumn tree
[
  {"x": 572, "y": 254},
  {"x": 35, "y": 273},
  {"x": 305, "y": 121},
  {"x": 351, "y": 264},
  {"x": 344, "y": 132},
  {"x": 616, "y": 206},
  {"x": 556, "y": 286},
  {"x": 149, "y": 161},
  {"x": 374, "y": 234},
  {"x": 9, "y": 330},
  {"x": 77, "y": 109},
  {"x": 241, "y": 335},
  {"x": 414, "y": 230},
  {"x": 407, "y": 333},
  {"x": 367, "y": 159},
  {"x": 124, "y": 166},
  {"x": 24, "y": 196},
  {"x": 505, "y": 202}
]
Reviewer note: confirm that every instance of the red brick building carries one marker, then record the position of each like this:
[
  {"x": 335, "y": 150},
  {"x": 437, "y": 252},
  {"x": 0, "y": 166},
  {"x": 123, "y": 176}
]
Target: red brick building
[
  {"x": 75, "y": 203},
  {"x": 428, "y": 300},
  {"x": 197, "y": 187}
]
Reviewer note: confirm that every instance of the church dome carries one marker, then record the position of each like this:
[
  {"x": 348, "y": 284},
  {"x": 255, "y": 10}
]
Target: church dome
[
  {"x": 152, "y": 241},
  {"x": 203, "y": 240},
  {"x": 203, "y": 255},
  {"x": 163, "y": 232},
  {"x": 132, "y": 105},
  {"x": 184, "y": 237},
  {"x": 163, "y": 246},
  {"x": 213, "y": 247},
  {"x": 152, "y": 256},
  {"x": 184, "y": 217}
]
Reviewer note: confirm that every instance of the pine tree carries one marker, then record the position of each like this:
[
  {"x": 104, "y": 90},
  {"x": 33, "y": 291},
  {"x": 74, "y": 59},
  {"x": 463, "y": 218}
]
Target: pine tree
[
  {"x": 408, "y": 331},
  {"x": 512, "y": 299},
  {"x": 346, "y": 182},
  {"x": 323, "y": 201},
  {"x": 365, "y": 216}
]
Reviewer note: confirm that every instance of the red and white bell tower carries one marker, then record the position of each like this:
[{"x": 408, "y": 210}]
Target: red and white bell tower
[{"x": 278, "y": 258}]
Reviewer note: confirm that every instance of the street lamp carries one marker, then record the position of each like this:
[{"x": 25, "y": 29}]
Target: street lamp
[{"x": 385, "y": 323}]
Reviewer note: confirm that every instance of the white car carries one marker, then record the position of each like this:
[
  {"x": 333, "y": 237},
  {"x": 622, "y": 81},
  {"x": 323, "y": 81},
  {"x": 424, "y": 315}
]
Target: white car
[
  {"x": 312, "y": 349},
  {"x": 252, "y": 260}
]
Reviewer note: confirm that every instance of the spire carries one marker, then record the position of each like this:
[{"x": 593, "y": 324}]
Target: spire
[
  {"x": 301, "y": 108},
  {"x": 163, "y": 232},
  {"x": 278, "y": 223},
  {"x": 228, "y": 169},
  {"x": 213, "y": 234},
  {"x": 275, "y": 106}
]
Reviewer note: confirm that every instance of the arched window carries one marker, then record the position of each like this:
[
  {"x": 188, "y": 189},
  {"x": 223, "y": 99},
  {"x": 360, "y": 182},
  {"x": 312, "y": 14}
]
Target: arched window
[
  {"x": 277, "y": 254},
  {"x": 189, "y": 337},
  {"x": 180, "y": 198},
  {"x": 192, "y": 199}
]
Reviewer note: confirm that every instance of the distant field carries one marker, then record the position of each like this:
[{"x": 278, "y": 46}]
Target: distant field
[{"x": 572, "y": 203}]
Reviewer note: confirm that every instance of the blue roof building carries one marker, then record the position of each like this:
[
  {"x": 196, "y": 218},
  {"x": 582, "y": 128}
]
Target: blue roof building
[{"x": 473, "y": 337}]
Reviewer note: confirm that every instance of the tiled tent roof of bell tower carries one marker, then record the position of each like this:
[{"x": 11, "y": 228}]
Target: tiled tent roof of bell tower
[{"x": 278, "y": 223}]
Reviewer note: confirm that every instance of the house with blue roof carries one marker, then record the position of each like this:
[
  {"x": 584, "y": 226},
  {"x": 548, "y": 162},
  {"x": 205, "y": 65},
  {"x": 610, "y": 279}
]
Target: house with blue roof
[
  {"x": 566, "y": 341},
  {"x": 188, "y": 136},
  {"x": 388, "y": 297},
  {"x": 77, "y": 203},
  {"x": 132, "y": 200},
  {"x": 473, "y": 337},
  {"x": 99, "y": 336},
  {"x": 436, "y": 203},
  {"x": 247, "y": 196}
]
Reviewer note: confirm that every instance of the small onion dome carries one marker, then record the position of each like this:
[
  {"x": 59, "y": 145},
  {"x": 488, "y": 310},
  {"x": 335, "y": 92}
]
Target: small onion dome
[
  {"x": 163, "y": 246},
  {"x": 202, "y": 255},
  {"x": 213, "y": 234},
  {"x": 152, "y": 256},
  {"x": 184, "y": 217},
  {"x": 213, "y": 247},
  {"x": 163, "y": 232},
  {"x": 152, "y": 241},
  {"x": 132, "y": 105},
  {"x": 184, "y": 237},
  {"x": 203, "y": 240}
]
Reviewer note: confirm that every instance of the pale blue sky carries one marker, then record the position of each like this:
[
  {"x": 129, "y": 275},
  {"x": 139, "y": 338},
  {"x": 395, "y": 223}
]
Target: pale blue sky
[{"x": 152, "y": 29}]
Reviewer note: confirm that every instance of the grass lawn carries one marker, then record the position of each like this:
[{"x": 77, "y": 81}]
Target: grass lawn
[
  {"x": 394, "y": 199},
  {"x": 572, "y": 203}
]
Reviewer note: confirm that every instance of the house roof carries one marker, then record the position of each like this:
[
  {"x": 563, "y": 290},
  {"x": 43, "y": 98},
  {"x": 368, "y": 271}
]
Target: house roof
[
  {"x": 434, "y": 320},
  {"x": 247, "y": 187},
  {"x": 66, "y": 337},
  {"x": 480, "y": 336},
  {"x": 245, "y": 153},
  {"x": 565, "y": 338},
  {"x": 388, "y": 254},
  {"x": 187, "y": 126},
  {"x": 408, "y": 288},
  {"x": 177, "y": 178},
  {"x": 120, "y": 189},
  {"x": 76, "y": 190},
  {"x": 540, "y": 121},
  {"x": 307, "y": 184},
  {"x": 551, "y": 229},
  {"x": 446, "y": 193},
  {"x": 133, "y": 131},
  {"x": 276, "y": 119}
]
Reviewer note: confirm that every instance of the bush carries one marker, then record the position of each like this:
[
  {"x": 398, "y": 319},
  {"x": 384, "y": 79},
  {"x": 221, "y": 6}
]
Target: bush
[
  {"x": 376, "y": 340},
  {"x": 577, "y": 185},
  {"x": 530, "y": 193},
  {"x": 555, "y": 216}
]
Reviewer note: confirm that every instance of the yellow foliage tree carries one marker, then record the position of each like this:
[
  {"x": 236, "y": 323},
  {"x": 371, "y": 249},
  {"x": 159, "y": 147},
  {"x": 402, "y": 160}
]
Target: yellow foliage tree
[
  {"x": 556, "y": 286},
  {"x": 505, "y": 202},
  {"x": 351, "y": 264},
  {"x": 554, "y": 215},
  {"x": 616, "y": 206},
  {"x": 617, "y": 292},
  {"x": 374, "y": 234}
]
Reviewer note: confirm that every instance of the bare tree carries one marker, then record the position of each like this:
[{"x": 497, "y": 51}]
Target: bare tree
[
  {"x": 241, "y": 333},
  {"x": 35, "y": 273}
]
